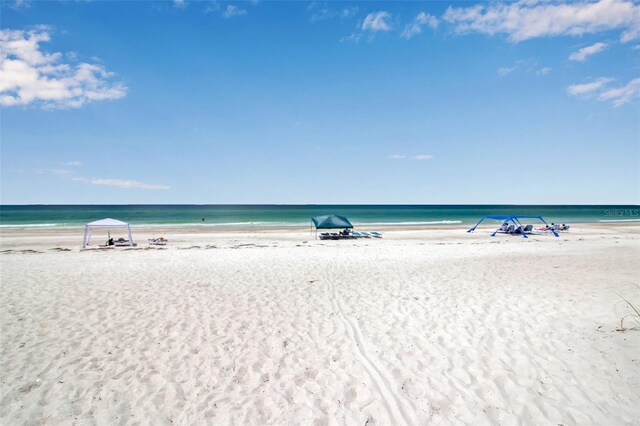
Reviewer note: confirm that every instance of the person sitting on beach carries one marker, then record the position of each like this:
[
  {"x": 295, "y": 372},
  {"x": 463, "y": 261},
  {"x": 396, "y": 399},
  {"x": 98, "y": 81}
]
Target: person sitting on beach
[
  {"x": 504, "y": 227},
  {"x": 110, "y": 241},
  {"x": 345, "y": 232}
]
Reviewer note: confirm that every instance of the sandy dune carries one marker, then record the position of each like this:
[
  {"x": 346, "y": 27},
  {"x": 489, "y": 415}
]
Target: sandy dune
[{"x": 421, "y": 327}]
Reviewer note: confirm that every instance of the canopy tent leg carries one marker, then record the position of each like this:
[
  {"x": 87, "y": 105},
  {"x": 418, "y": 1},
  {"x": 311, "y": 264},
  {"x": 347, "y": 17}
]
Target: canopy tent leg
[
  {"x": 519, "y": 225},
  {"x": 85, "y": 241},
  {"x": 129, "y": 235},
  {"x": 475, "y": 226},
  {"x": 555, "y": 234}
]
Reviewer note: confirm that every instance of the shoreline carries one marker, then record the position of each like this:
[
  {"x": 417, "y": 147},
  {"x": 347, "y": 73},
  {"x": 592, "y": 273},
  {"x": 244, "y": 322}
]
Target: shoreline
[{"x": 289, "y": 228}]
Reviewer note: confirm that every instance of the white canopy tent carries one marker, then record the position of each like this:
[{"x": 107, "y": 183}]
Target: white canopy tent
[{"x": 107, "y": 223}]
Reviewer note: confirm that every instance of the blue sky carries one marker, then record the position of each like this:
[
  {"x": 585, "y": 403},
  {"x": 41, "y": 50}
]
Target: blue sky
[{"x": 288, "y": 102}]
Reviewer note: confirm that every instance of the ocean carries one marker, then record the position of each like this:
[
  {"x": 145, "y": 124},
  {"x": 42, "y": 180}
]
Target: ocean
[{"x": 28, "y": 216}]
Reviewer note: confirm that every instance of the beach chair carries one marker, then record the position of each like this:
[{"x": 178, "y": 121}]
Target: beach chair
[
  {"x": 565, "y": 228},
  {"x": 528, "y": 229},
  {"x": 161, "y": 241},
  {"x": 511, "y": 229},
  {"x": 356, "y": 234},
  {"x": 365, "y": 234},
  {"x": 325, "y": 236},
  {"x": 376, "y": 234},
  {"x": 121, "y": 242}
]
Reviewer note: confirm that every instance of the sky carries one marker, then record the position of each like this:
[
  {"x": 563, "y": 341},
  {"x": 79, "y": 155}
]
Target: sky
[{"x": 190, "y": 102}]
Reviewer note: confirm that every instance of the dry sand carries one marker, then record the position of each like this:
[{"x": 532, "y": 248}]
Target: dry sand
[{"x": 420, "y": 327}]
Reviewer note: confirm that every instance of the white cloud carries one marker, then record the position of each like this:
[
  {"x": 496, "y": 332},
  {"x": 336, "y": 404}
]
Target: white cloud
[
  {"x": 423, "y": 157},
  {"x": 211, "y": 7},
  {"x": 320, "y": 11},
  {"x": 543, "y": 71},
  {"x": 123, "y": 183},
  {"x": 414, "y": 28},
  {"x": 377, "y": 21},
  {"x": 181, "y": 4},
  {"x": 397, "y": 157},
  {"x": 58, "y": 172},
  {"x": 523, "y": 65},
  {"x": 352, "y": 38},
  {"x": 232, "y": 11},
  {"x": 582, "y": 54},
  {"x": 523, "y": 20},
  {"x": 621, "y": 95},
  {"x": 617, "y": 95},
  {"x": 348, "y": 12},
  {"x": 19, "y": 4},
  {"x": 505, "y": 70},
  {"x": 586, "y": 88},
  {"x": 119, "y": 183},
  {"x": 29, "y": 75}
]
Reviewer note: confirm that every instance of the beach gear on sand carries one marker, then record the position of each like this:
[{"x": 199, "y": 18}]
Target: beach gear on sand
[{"x": 515, "y": 226}]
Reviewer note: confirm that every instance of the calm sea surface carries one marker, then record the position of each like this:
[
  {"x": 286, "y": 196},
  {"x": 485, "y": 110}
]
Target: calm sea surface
[{"x": 299, "y": 215}]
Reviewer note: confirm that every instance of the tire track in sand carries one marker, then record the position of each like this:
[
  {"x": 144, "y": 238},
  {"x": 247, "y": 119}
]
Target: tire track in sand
[{"x": 389, "y": 398}]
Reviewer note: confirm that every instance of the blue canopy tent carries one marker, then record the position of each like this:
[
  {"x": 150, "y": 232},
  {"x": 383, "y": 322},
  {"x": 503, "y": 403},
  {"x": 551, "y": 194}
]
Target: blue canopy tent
[
  {"x": 331, "y": 221},
  {"x": 515, "y": 220}
]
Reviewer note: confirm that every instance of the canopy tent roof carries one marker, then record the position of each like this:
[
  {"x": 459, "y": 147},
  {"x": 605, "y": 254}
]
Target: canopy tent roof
[
  {"x": 105, "y": 223},
  {"x": 514, "y": 219},
  {"x": 331, "y": 222},
  {"x": 108, "y": 222},
  {"x": 508, "y": 218}
]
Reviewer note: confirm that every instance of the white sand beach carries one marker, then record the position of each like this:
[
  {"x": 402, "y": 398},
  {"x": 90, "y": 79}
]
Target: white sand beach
[{"x": 422, "y": 327}]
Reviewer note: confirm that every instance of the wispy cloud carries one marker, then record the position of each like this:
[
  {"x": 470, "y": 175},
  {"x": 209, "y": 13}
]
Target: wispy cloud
[
  {"x": 415, "y": 157},
  {"x": 19, "y": 4},
  {"x": 582, "y": 54},
  {"x": 116, "y": 182},
  {"x": 348, "y": 12},
  {"x": 180, "y": 4},
  {"x": 586, "y": 88},
  {"x": 423, "y": 19},
  {"x": 233, "y": 10},
  {"x": 621, "y": 95},
  {"x": 58, "y": 172},
  {"x": 127, "y": 184},
  {"x": 29, "y": 75},
  {"x": 602, "y": 90},
  {"x": 526, "y": 19},
  {"x": 524, "y": 65},
  {"x": 423, "y": 157},
  {"x": 377, "y": 21},
  {"x": 352, "y": 38},
  {"x": 321, "y": 11},
  {"x": 505, "y": 71},
  {"x": 211, "y": 7}
]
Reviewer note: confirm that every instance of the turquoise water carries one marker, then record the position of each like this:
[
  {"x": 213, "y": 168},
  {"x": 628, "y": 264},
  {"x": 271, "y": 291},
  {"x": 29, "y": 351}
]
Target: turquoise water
[{"x": 299, "y": 215}]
